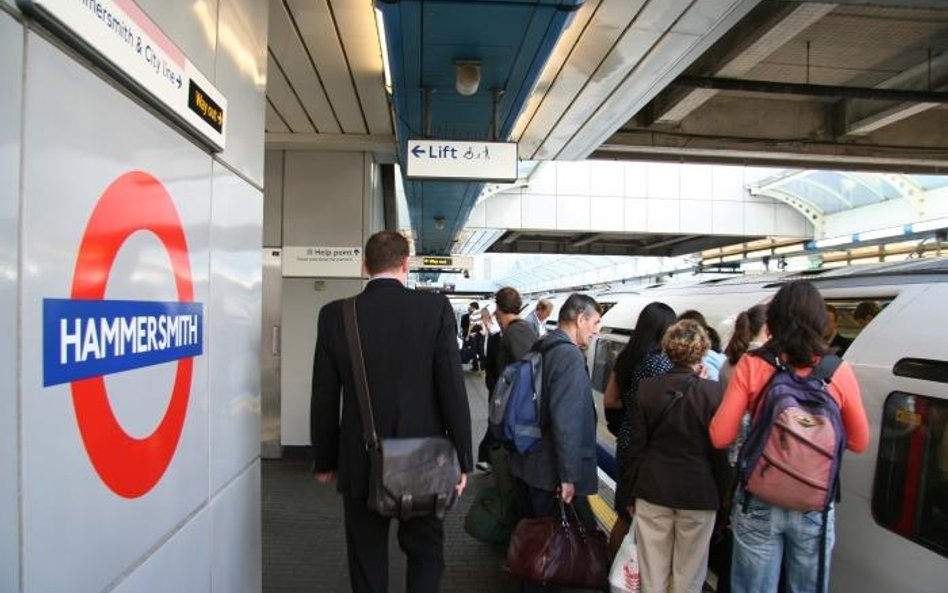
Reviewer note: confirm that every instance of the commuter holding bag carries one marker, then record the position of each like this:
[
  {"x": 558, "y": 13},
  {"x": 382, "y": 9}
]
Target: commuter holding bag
[
  {"x": 559, "y": 551},
  {"x": 408, "y": 477}
]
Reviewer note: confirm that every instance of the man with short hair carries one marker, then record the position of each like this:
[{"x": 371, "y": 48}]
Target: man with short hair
[
  {"x": 416, "y": 388},
  {"x": 834, "y": 339},
  {"x": 565, "y": 459},
  {"x": 540, "y": 314},
  {"x": 865, "y": 312}
]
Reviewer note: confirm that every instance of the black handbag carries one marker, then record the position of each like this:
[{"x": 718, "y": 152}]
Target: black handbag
[{"x": 407, "y": 477}]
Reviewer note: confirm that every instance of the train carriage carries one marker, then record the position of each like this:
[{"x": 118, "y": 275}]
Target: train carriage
[{"x": 892, "y": 522}]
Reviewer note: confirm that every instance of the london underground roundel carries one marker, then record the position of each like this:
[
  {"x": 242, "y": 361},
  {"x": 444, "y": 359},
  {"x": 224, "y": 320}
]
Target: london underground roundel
[{"x": 87, "y": 337}]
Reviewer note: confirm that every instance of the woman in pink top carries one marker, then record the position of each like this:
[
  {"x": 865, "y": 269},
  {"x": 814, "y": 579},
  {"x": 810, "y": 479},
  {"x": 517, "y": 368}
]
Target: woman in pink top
[{"x": 766, "y": 535}]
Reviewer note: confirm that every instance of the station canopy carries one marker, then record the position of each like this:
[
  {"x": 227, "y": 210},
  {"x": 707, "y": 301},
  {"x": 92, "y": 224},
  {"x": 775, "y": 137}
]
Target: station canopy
[{"x": 833, "y": 203}]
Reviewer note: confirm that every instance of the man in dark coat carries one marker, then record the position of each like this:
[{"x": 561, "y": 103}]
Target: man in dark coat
[
  {"x": 416, "y": 389},
  {"x": 565, "y": 460}
]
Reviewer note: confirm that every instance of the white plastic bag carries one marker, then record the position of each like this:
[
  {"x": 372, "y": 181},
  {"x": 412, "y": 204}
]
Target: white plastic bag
[{"x": 624, "y": 575}]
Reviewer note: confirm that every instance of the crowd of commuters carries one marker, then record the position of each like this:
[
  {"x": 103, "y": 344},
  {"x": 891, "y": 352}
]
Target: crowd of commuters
[{"x": 677, "y": 403}]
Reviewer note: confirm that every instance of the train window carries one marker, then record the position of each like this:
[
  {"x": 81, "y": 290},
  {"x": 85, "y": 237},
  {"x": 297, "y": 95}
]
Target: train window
[
  {"x": 910, "y": 494},
  {"x": 605, "y": 358},
  {"x": 921, "y": 368},
  {"x": 606, "y": 305},
  {"x": 851, "y": 314}
]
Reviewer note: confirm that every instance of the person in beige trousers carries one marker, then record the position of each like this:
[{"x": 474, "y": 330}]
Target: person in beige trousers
[{"x": 676, "y": 477}]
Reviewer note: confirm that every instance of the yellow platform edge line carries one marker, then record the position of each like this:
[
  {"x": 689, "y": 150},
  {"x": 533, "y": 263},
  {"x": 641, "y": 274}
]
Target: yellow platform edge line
[{"x": 605, "y": 516}]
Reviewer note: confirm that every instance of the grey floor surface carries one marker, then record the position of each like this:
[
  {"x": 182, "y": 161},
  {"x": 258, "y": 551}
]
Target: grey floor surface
[{"x": 304, "y": 541}]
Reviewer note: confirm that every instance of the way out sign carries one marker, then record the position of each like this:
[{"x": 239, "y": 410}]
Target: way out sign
[{"x": 450, "y": 159}]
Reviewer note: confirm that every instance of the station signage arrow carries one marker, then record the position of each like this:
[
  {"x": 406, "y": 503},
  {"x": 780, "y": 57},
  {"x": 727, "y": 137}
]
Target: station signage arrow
[{"x": 462, "y": 160}]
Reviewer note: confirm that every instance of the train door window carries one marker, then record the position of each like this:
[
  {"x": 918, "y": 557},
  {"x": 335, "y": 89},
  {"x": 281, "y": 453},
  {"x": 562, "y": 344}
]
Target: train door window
[
  {"x": 605, "y": 358},
  {"x": 910, "y": 494},
  {"x": 853, "y": 315}
]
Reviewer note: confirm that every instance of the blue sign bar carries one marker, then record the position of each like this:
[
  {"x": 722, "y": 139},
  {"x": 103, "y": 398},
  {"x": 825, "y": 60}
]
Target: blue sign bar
[{"x": 92, "y": 338}]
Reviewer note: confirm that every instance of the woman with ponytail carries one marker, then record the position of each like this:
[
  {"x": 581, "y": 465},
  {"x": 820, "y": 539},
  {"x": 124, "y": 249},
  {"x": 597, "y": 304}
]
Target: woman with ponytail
[{"x": 750, "y": 333}]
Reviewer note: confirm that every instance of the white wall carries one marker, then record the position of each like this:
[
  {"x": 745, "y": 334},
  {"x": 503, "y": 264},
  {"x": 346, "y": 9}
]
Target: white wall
[
  {"x": 640, "y": 197},
  {"x": 195, "y": 524},
  {"x": 11, "y": 63},
  {"x": 328, "y": 199}
]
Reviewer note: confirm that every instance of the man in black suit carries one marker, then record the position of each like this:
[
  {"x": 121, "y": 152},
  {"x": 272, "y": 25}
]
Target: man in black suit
[{"x": 416, "y": 388}]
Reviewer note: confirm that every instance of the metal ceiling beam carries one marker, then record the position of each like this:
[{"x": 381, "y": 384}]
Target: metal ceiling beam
[
  {"x": 379, "y": 144},
  {"x": 586, "y": 239},
  {"x": 648, "y": 145},
  {"x": 809, "y": 211},
  {"x": 863, "y": 118},
  {"x": 810, "y": 90},
  {"x": 771, "y": 36},
  {"x": 920, "y": 4}
]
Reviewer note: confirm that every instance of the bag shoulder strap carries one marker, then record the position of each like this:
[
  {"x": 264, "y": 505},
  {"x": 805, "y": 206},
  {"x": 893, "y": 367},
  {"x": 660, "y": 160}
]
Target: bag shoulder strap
[
  {"x": 677, "y": 395},
  {"x": 823, "y": 370},
  {"x": 826, "y": 367},
  {"x": 358, "y": 369},
  {"x": 768, "y": 355}
]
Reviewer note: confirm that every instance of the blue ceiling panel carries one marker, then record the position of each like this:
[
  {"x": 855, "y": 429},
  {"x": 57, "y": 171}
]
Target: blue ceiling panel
[{"x": 511, "y": 38}]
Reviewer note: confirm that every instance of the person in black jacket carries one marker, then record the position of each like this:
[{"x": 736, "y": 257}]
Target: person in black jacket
[
  {"x": 515, "y": 339},
  {"x": 676, "y": 477},
  {"x": 416, "y": 388}
]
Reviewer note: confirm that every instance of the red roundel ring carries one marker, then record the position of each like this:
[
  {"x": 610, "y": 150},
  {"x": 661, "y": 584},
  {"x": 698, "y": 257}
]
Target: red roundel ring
[{"x": 135, "y": 201}]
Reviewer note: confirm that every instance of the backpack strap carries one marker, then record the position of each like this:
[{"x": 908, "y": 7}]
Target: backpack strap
[
  {"x": 539, "y": 378},
  {"x": 826, "y": 367},
  {"x": 767, "y": 354},
  {"x": 770, "y": 356}
]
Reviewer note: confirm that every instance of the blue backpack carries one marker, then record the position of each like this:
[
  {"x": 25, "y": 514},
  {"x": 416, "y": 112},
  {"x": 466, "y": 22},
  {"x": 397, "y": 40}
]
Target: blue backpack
[
  {"x": 514, "y": 411},
  {"x": 793, "y": 450}
]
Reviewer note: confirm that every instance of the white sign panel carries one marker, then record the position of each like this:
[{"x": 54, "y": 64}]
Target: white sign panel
[
  {"x": 119, "y": 32},
  {"x": 450, "y": 159},
  {"x": 334, "y": 262}
]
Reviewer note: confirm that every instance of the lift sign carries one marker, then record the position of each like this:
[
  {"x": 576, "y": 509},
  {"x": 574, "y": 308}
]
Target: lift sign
[{"x": 87, "y": 336}]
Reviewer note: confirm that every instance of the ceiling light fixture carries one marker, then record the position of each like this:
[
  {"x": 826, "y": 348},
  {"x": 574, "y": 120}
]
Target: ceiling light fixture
[
  {"x": 383, "y": 44},
  {"x": 467, "y": 76}
]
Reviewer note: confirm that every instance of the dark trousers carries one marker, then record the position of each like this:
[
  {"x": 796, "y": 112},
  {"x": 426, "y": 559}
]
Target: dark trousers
[
  {"x": 478, "y": 358},
  {"x": 420, "y": 538}
]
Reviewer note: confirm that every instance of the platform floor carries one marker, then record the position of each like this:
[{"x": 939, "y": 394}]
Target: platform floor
[{"x": 304, "y": 541}]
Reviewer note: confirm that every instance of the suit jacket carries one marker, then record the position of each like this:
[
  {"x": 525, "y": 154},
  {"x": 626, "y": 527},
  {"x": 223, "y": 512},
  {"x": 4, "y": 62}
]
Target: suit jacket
[
  {"x": 678, "y": 467},
  {"x": 538, "y": 325},
  {"x": 414, "y": 373},
  {"x": 840, "y": 343},
  {"x": 567, "y": 450}
]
